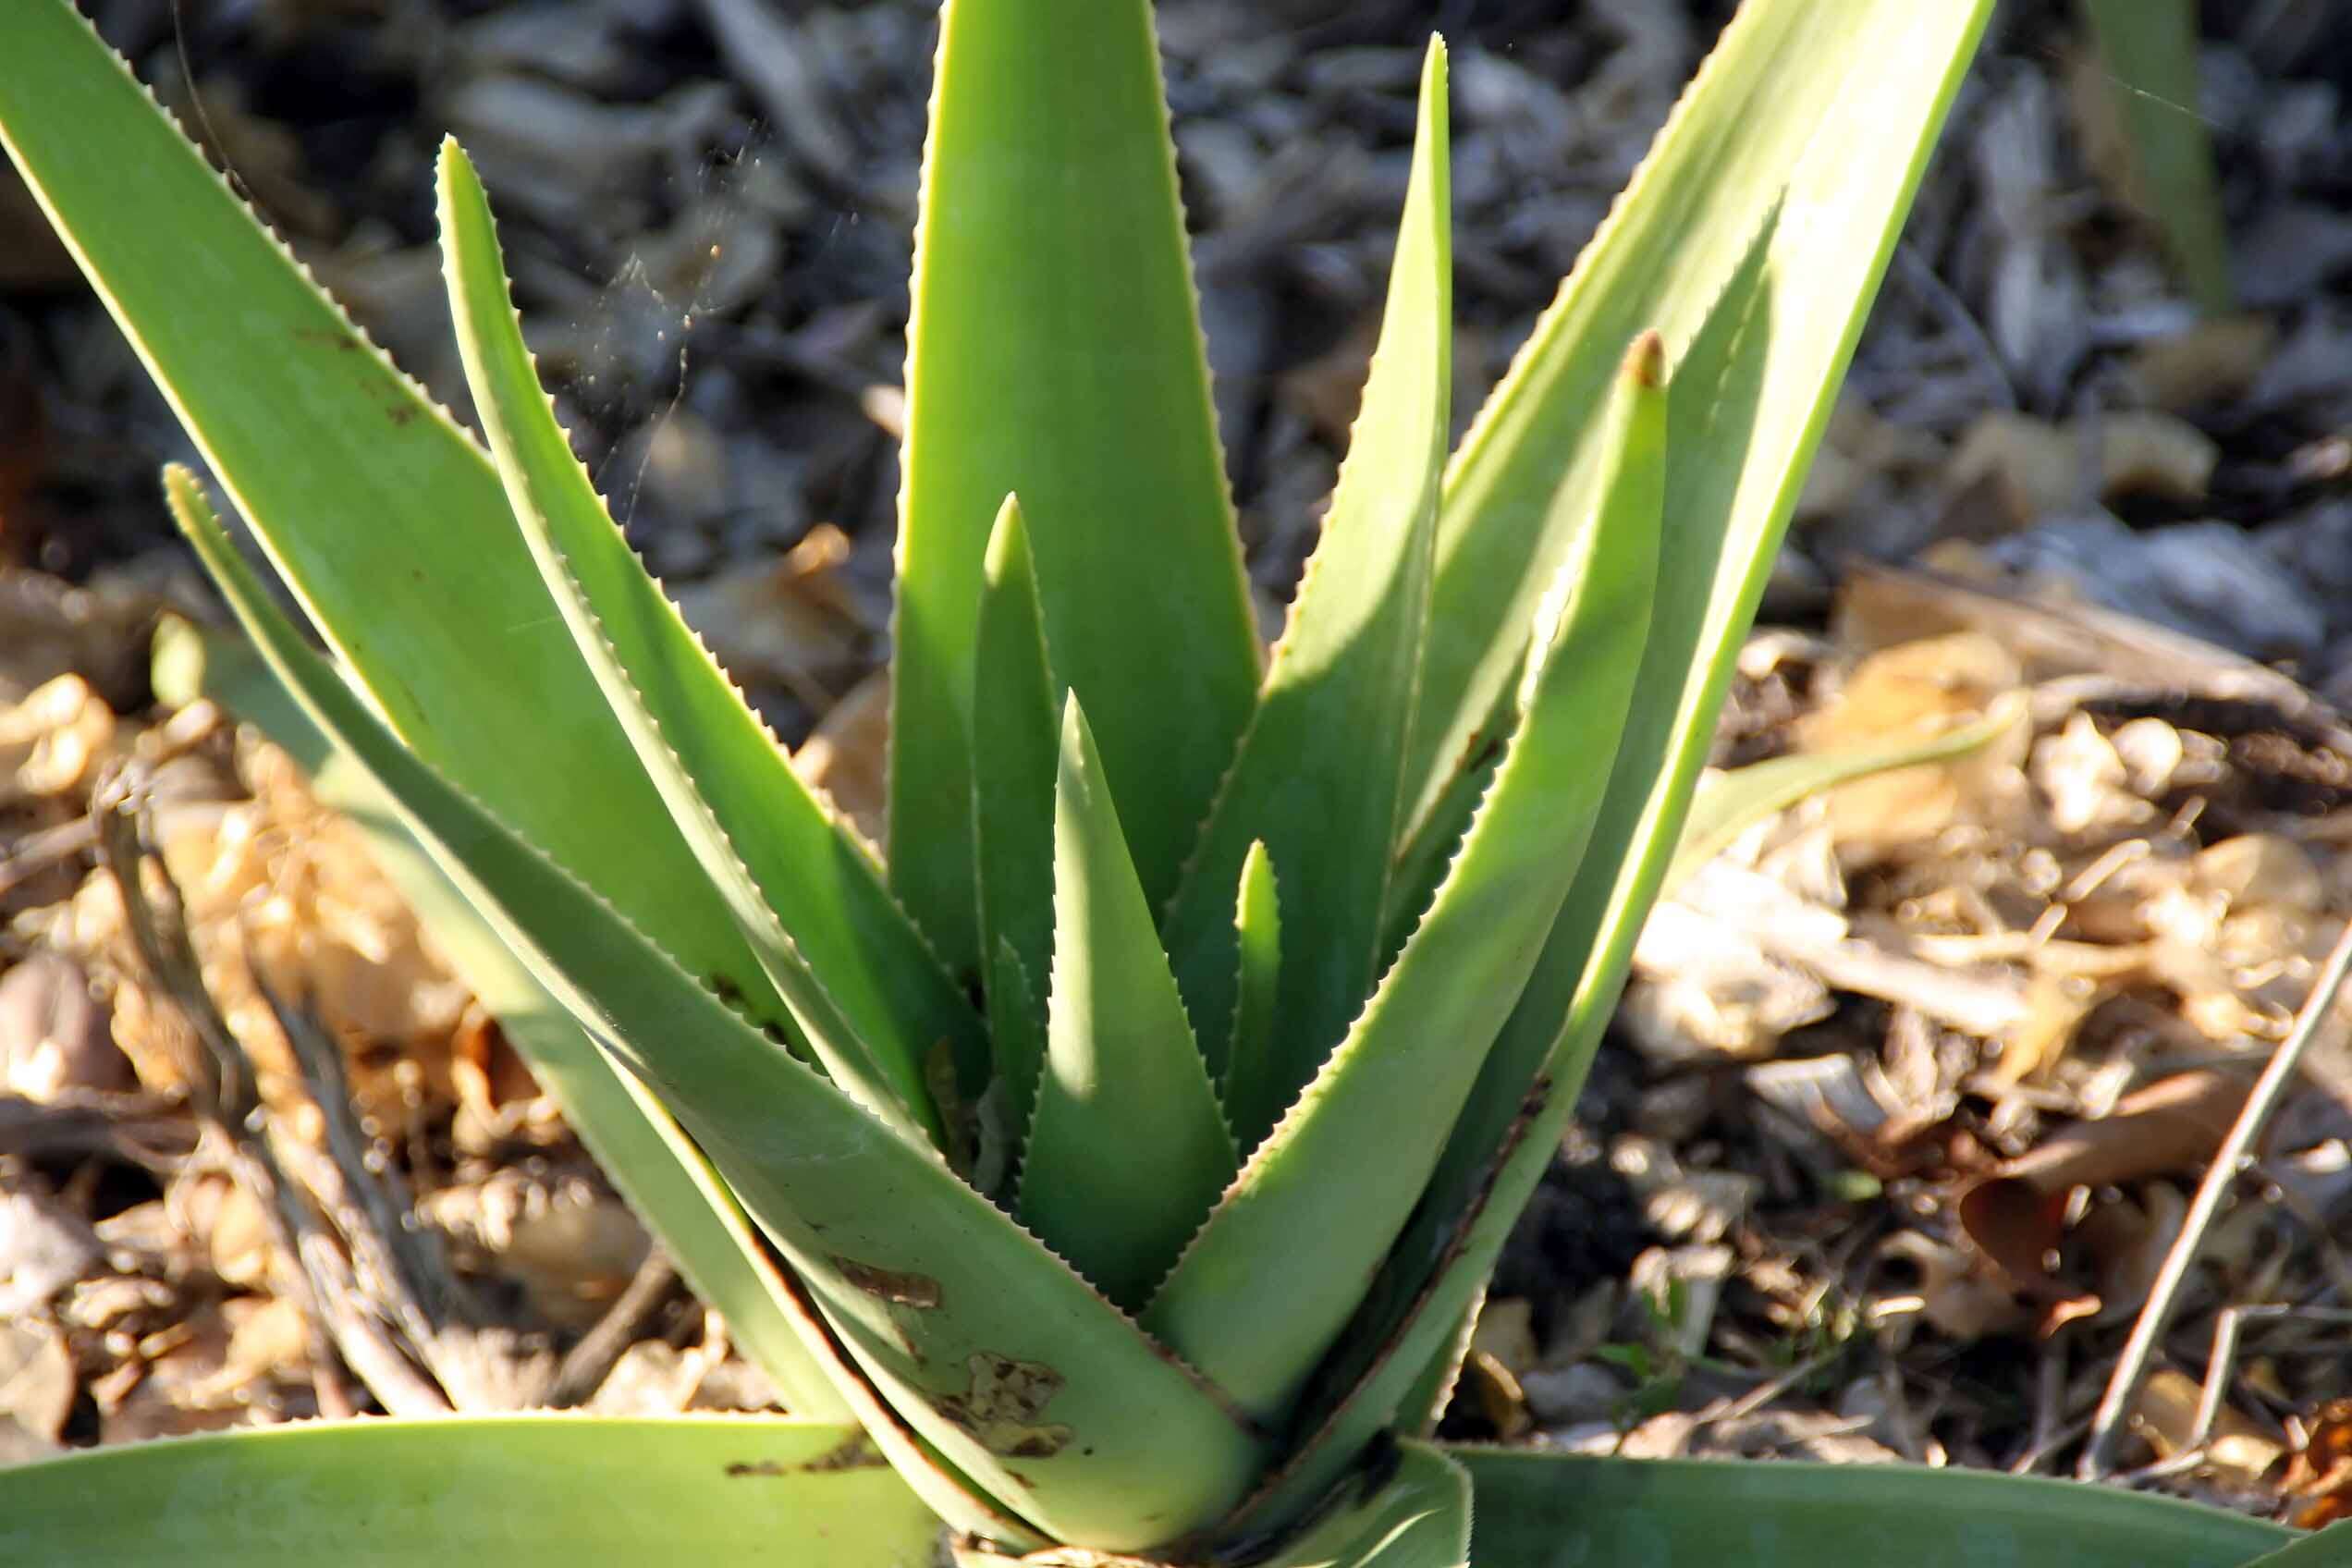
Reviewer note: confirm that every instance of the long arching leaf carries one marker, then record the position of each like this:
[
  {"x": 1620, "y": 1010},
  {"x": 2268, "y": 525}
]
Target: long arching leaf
[
  {"x": 521, "y": 1491},
  {"x": 994, "y": 1352}
]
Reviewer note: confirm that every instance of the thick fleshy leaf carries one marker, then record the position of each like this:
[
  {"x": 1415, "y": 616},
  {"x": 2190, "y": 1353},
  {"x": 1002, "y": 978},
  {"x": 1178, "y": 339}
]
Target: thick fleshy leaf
[
  {"x": 1321, "y": 1202},
  {"x": 1412, "y": 1513},
  {"x": 1015, "y": 705},
  {"x": 2330, "y": 1548},
  {"x": 1252, "y": 1090},
  {"x": 1535, "y": 1509},
  {"x": 665, "y": 1178},
  {"x": 387, "y": 521},
  {"x": 1127, "y": 1149},
  {"x": 1055, "y": 351},
  {"x": 804, "y": 891},
  {"x": 523, "y": 1491},
  {"x": 1319, "y": 770},
  {"x": 1728, "y": 803},
  {"x": 1809, "y": 189},
  {"x": 994, "y": 1352}
]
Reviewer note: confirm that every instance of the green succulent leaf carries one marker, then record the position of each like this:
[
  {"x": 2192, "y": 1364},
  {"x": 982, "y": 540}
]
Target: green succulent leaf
[
  {"x": 387, "y": 521},
  {"x": 2325, "y": 1549},
  {"x": 658, "y": 1170},
  {"x": 524, "y": 1491},
  {"x": 1779, "y": 211},
  {"x": 1727, "y": 803},
  {"x": 1127, "y": 1150},
  {"x": 994, "y": 1352},
  {"x": 1253, "y": 1089},
  {"x": 804, "y": 891},
  {"x": 1542, "y": 1508},
  {"x": 1320, "y": 1202},
  {"x": 1015, "y": 702},
  {"x": 1411, "y": 1511},
  {"x": 1318, "y": 775},
  {"x": 1054, "y": 352}
]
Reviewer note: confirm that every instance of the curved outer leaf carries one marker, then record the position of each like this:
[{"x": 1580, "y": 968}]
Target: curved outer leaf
[
  {"x": 523, "y": 1491},
  {"x": 1727, "y": 804},
  {"x": 1014, "y": 701},
  {"x": 1831, "y": 170},
  {"x": 1537, "y": 1509},
  {"x": 1252, "y": 1091},
  {"x": 1127, "y": 1150},
  {"x": 1415, "y": 1514},
  {"x": 798, "y": 883},
  {"x": 994, "y": 1352},
  {"x": 1320, "y": 765},
  {"x": 1055, "y": 350},
  {"x": 1281, "y": 1266},
  {"x": 385, "y": 518},
  {"x": 656, "y": 1167},
  {"x": 2329, "y": 1548}
]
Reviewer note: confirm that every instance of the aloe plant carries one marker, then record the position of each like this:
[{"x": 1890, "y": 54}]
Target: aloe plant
[{"x": 1121, "y": 1162}]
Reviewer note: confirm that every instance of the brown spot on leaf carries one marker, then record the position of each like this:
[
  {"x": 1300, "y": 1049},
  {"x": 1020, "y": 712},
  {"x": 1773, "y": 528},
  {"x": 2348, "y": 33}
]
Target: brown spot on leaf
[
  {"x": 895, "y": 1286},
  {"x": 855, "y": 1451},
  {"x": 1002, "y": 1407}
]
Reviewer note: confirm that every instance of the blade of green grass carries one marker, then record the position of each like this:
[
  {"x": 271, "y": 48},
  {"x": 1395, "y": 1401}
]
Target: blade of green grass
[
  {"x": 1254, "y": 1093},
  {"x": 1320, "y": 1202},
  {"x": 994, "y": 1352},
  {"x": 2148, "y": 49},
  {"x": 655, "y": 1166},
  {"x": 1320, "y": 769},
  {"x": 1014, "y": 701},
  {"x": 385, "y": 520},
  {"x": 1055, "y": 351},
  {"x": 1127, "y": 1150},
  {"x": 523, "y": 1491},
  {"x": 1668, "y": 1512},
  {"x": 803, "y": 890},
  {"x": 1727, "y": 804}
]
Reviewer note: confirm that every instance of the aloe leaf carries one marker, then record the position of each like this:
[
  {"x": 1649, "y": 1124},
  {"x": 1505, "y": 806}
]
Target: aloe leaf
[
  {"x": 1014, "y": 701},
  {"x": 1726, "y": 805},
  {"x": 997, "y": 1355},
  {"x": 1536, "y": 1507},
  {"x": 1254, "y": 1093},
  {"x": 524, "y": 1491},
  {"x": 658, "y": 1170},
  {"x": 1414, "y": 1512},
  {"x": 2148, "y": 49},
  {"x": 1819, "y": 182},
  {"x": 386, "y": 519},
  {"x": 1320, "y": 769},
  {"x": 1127, "y": 1149},
  {"x": 804, "y": 891},
  {"x": 2324, "y": 1548},
  {"x": 1054, "y": 352},
  {"x": 1740, "y": 147},
  {"x": 1321, "y": 1200}
]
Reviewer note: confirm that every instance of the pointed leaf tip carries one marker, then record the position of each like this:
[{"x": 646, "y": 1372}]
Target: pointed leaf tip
[{"x": 1646, "y": 361}]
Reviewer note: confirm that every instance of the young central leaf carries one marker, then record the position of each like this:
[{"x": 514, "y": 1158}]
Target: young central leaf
[
  {"x": 1054, "y": 352},
  {"x": 1127, "y": 1149},
  {"x": 1319, "y": 771}
]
